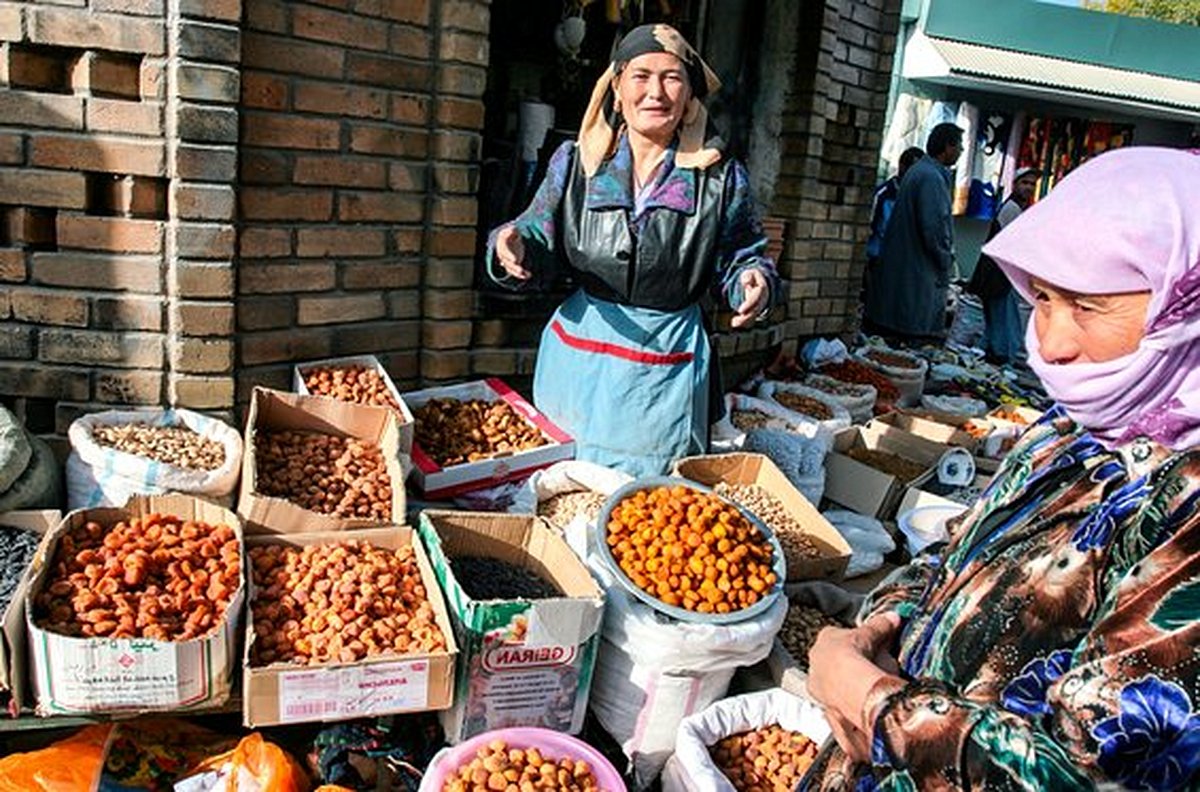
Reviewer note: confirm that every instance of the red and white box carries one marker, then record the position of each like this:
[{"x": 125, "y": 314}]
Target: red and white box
[{"x": 439, "y": 482}]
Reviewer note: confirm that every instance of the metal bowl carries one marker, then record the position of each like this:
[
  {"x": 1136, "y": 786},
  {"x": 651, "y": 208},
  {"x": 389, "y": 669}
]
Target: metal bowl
[{"x": 683, "y": 614}]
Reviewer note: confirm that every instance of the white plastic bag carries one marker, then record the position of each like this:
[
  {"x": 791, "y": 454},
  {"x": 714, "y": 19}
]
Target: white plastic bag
[
  {"x": 651, "y": 671},
  {"x": 869, "y": 541},
  {"x": 963, "y": 407},
  {"x": 909, "y": 380},
  {"x": 859, "y": 400},
  {"x": 839, "y": 417},
  {"x": 15, "y": 451},
  {"x": 566, "y": 477},
  {"x": 102, "y": 476},
  {"x": 691, "y": 768},
  {"x": 820, "y": 351}
]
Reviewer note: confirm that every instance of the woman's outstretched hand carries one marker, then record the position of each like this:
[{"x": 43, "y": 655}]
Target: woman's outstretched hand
[
  {"x": 844, "y": 667},
  {"x": 754, "y": 297},
  {"x": 510, "y": 251}
]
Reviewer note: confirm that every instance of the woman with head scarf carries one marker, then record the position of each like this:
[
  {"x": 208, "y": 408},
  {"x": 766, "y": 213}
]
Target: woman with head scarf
[
  {"x": 1054, "y": 641},
  {"x": 649, "y": 217}
]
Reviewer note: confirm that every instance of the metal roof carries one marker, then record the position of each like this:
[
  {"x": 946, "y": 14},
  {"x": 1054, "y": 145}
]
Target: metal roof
[{"x": 991, "y": 68}]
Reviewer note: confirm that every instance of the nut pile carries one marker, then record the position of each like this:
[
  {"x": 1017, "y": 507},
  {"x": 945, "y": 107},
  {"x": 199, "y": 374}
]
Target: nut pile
[
  {"x": 498, "y": 768},
  {"x": 835, "y": 387},
  {"x": 341, "y": 602},
  {"x": 352, "y": 383},
  {"x": 904, "y": 469},
  {"x": 453, "y": 432},
  {"x": 800, "y": 629},
  {"x": 796, "y": 543},
  {"x": 156, "y": 577},
  {"x": 325, "y": 473},
  {"x": 691, "y": 550},
  {"x": 174, "y": 445},
  {"x": 560, "y": 510},
  {"x": 805, "y": 405},
  {"x": 750, "y": 419},
  {"x": 892, "y": 360},
  {"x": 492, "y": 578},
  {"x": 769, "y": 759},
  {"x": 17, "y": 547},
  {"x": 861, "y": 373}
]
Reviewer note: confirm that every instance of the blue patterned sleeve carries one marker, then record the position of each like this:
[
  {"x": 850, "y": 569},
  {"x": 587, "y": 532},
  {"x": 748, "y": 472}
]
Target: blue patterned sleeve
[
  {"x": 742, "y": 244},
  {"x": 537, "y": 225}
]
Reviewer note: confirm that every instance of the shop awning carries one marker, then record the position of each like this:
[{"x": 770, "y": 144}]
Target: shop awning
[{"x": 956, "y": 63}]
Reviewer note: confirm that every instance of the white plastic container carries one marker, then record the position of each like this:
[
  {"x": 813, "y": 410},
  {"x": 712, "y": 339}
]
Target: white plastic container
[{"x": 926, "y": 525}]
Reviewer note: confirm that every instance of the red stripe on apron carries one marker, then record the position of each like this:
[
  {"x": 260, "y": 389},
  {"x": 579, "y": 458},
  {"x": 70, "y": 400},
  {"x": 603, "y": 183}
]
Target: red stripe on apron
[{"x": 615, "y": 350}]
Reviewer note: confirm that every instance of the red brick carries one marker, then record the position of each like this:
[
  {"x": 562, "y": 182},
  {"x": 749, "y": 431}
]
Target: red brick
[
  {"x": 379, "y": 275},
  {"x": 121, "y": 350},
  {"x": 197, "y": 318},
  {"x": 133, "y": 118},
  {"x": 286, "y": 55},
  {"x": 27, "y": 227},
  {"x": 264, "y": 90},
  {"x": 367, "y": 207},
  {"x": 107, "y": 74},
  {"x": 449, "y": 303},
  {"x": 135, "y": 7},
  {"x": 409, "y": 109},
  {"x": 464, "y": 47},
  {"x": 268, "y": 16},
  {"x": 127, "y": 387},
  {"x": 202, "y": 201},
  {"x": 414, "y": 11},
  {"x": 12, "y": 148},
  {"x": 97, "y": 271},
  {"x": 465, "y": 15},
  {"x": 10, "y": 23},
  {"x": 285, "y": 345},
  {"x": 490, "y": 333},
  {"x": 12, "y": 265},
  {"x": 494, "y": 362},
  {"x": 445, "y": 335},
  {"x": 450, "y": 274},
  {"x": 86, "y": 30},
  {"x": 444, "y": 364},
  {"x": 462, "y": 80},
  {"x": 282, "y": 204},
  {"x": 260, "y": 166},
  {"x": 204, "y": 240},
  {"x": 309, "y": 22},
  {"x": 49, "y": 307},
  {"x": 291, "y": 132},
  {"x": 265, "y": 313},
  {"x": 335, "y": 242},
  {"x": 411, "y": 42},
  {"x": 456, "y": 146},
  {"x": 455, "y": 211},
  {"x": 196, "y": 280},
  {"x": 286, "y": 278},
  {"x": 340, "y": 100},
  {"x": 208, "y": 83},
  {"x": 339, "y": 170},
  {"x": 452, "y": 242},
  {"x": 206, "y": 123},
  {"x": 264, "y": 242},
  {"x": 129, "y": 196},
  {"x": 404, "y": 304},
  {"x": 108, "y": 155},
  {"x": 42, "y": 382},
  {"x": 202, "y": 41},
  {"x": 374, "y": 337},
  {"x": 37, "y": 68},
  {"x": 201, "y": 393},
  {"x": 462, "y": 113},
  {"x": 109, "y": 234},
  {"x": 153, "y": 79},
  {"x": 408, "y": 240},
  {"x": 342, "y": 309},
  {"x": 388, "y": 140},
  {"x": 127, "y": 312},
  {"x": 387, "y": 71},
  {"x": 406, "y": 177},
  {"x": 224, "y": 10},
  {"x": 202, "y": 355},
  {"x": 16, "y": 343},
  {"x": 42, "y": 110},
  {"x": 206, "y": 163}
]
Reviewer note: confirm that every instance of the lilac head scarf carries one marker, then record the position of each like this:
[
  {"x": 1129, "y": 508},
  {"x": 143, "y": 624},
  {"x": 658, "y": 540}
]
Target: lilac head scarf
[{"x": 1128, "y": 220}]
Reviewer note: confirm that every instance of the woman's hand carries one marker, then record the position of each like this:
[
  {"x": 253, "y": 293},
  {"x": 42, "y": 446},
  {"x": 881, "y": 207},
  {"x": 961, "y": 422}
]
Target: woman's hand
[
  {"x": 755, "y": 294},
  {"x": 845, "y": 666},
  {"x": 510, "y": 251}
]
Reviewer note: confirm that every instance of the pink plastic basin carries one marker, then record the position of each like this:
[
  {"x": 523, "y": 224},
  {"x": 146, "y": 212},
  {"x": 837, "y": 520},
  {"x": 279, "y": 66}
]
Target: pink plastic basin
[{"x": 551, "y": 744}]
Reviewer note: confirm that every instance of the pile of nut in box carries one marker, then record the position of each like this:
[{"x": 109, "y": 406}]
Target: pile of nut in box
[{"x": 278, "y": 572}]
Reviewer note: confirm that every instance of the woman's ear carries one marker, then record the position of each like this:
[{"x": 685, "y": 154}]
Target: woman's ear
[{"x": 693, "y": 109}]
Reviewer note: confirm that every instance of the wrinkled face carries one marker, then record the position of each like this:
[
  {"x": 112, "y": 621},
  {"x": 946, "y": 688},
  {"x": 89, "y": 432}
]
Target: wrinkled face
[
  {"x": 1087, "y": 328},
  {"x": 652, "y": 94},
  {"x": 1023, "y": 188}
]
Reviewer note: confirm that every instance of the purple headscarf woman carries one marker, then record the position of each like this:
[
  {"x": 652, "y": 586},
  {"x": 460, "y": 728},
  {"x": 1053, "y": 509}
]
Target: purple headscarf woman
[{"x": 1141, "y": 211}]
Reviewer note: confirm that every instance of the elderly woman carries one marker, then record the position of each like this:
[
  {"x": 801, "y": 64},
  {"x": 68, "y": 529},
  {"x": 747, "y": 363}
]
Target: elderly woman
[
  {"x": 1054, "y": 642},
  {"x": 649, "y": 218}
]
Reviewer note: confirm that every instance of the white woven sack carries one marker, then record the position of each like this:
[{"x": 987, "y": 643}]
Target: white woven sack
[
  {"x": 796, "y": 443},
  {"x": 652, "y": 671},
  {"x": 860, "y": 404},
  {"x": 565, "y": 477},
  {"x": 692, "y": 769},
  {"x": 831, "y": 426},
  {"x": 100, "y": 476},
  {"x": 15, "y": 451},
  {"x": 909, "y": 381}
]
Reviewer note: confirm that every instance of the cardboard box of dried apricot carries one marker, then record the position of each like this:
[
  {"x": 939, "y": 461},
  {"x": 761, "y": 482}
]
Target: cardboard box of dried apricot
[
  {"x": 135, "y": 609},
  {"x": 344, "y": 624}
]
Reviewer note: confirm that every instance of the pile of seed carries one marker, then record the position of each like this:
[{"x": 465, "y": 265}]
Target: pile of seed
[
  {"x": 750, "y": 419},
  {"x": 836, "y": 387},
  {"x": 175, "y": 445},
  {"x": 800, "y": 629},
  {"x": 805, "y": 405},
  {"x": 560, "y": 510},
  {"x": 490, "y": 578},
  {"x": 904, "y": 469},
  {"x": 796, "y": 543},
  {"x": 16, "y": 549}
]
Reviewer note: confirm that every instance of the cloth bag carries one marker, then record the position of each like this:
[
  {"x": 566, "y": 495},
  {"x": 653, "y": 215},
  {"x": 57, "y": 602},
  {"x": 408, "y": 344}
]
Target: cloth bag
[
  {"x": 562, "y": 478},
  {"x": 839, "y": 420},
  {"x": 692, "y": 769},
  {"x": 40, "y": 484},
  {"x": 103, "y": 476},
  {"x": 15, "y": 450},
  {"x": 909, "y": 381},
  {"x": 652, "y": 671},
  {"x": 858, "y": 400}
]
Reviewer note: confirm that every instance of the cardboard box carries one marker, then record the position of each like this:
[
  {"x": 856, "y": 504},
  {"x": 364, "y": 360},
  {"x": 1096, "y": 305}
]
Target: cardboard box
[
  {"x": 270, "y": 409},
  {"x": 742, "y": 468},
  {"x": 439, "y": 483},
  {"x": 103, "y": 675},
  {"x": 405, "y": 418},
  {"x": 863, "y": 489},
  {"x": 14, "y": 672},
  {"x": 522, "y": 662},
  {"x": 925, "y": 492},
  {"x": 385, "y": 685},
  {"x": 927, "y": 428}
]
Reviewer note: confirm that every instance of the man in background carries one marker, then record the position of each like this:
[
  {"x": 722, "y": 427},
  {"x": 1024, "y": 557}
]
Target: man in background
[
  {"x": 906, "y": 290},
  {"x": 885, "y": 201}
]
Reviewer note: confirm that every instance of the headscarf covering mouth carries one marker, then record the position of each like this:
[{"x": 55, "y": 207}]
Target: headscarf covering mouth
[
  {"x": 1125, "y": 221},
  {"x": 698, "y": 146}
]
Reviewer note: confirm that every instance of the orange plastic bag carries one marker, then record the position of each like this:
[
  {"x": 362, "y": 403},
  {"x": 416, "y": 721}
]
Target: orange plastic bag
[
  {"x": 70, "y": 765},
  {"x": 256, "y": 765}
]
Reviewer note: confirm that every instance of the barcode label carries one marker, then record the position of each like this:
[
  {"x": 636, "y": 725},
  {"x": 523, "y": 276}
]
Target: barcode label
[{"x": 339, "y": 693}]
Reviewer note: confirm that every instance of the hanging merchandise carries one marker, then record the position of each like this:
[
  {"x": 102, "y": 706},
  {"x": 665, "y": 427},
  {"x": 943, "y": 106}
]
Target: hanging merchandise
[
  {"x": 906, "y": 128},
  {"x": 964, "y": 170}
]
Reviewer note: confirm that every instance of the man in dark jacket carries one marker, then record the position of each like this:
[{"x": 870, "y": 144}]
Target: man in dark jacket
[{"x": 906, "y": 292}]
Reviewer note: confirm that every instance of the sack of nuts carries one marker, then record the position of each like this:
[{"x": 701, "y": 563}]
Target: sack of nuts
[
  {"x": 119, "y": 453},
  {"x": 569, "y": 496}
]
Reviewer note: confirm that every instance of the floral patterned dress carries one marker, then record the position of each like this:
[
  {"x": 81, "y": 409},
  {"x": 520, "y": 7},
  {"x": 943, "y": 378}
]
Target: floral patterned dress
[{"x": 1054, "y": 643}]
